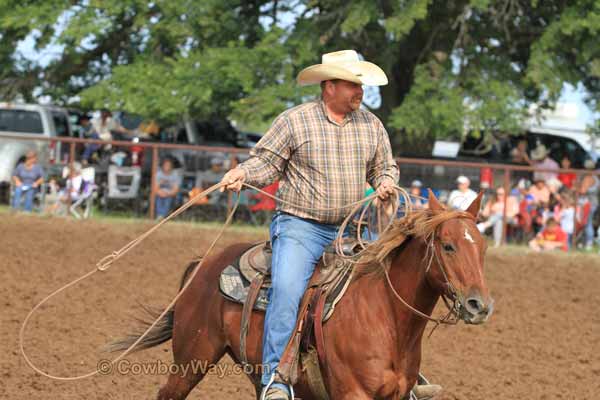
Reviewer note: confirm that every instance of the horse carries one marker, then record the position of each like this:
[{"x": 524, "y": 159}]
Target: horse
[{"x": 372, "y": 341}]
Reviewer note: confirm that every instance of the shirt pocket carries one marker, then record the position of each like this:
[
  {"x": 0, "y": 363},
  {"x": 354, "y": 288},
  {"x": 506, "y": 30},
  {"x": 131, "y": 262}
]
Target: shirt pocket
[{"x": 309, "y": 153}]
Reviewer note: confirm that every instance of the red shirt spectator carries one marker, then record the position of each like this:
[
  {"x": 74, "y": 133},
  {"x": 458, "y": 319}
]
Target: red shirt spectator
[
  {"x": 552, "y": 237},
  {"x": 567, "y": 179}
]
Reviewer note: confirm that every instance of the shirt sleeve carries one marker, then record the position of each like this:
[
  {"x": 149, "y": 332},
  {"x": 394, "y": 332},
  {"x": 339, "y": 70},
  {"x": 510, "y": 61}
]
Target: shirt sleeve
[
  {"x": 382, "y": 164},
  {"x": 270, "y": 156},
  {"x": 17, "y": 172},
  {"x": 39, "y": 172}
]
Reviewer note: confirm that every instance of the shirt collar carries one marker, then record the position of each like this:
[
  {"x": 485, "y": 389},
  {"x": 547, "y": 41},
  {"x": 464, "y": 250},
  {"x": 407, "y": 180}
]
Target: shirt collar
[{"x": 347, "y": 118}]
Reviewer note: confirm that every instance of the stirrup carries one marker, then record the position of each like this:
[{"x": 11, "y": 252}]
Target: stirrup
[{"x": 263, "y": 395}]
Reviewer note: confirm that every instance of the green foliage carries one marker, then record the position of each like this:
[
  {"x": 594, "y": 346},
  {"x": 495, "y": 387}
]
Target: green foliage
[{"x": 452, "y": 64}]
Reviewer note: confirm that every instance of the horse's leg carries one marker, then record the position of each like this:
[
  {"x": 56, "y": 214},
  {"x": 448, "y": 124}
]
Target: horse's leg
[
  {"x": 191, "y": 370},
  {"x": 198, "y": 341}
]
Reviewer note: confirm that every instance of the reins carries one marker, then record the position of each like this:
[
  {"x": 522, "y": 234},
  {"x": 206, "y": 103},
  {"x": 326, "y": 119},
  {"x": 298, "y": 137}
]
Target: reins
[{"x": 106, "y": 262}]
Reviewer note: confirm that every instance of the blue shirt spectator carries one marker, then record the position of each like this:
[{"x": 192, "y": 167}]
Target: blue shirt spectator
[
  {"x": 166, "y": 188},
  {"x": 27, "y": 178}
]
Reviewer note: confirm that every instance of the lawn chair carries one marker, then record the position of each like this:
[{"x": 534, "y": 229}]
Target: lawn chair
[
  {"x": 123, "y": 186},
  {"x": 86, "y": 198}
]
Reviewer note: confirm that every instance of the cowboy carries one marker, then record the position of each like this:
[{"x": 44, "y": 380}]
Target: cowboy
[{"x": 322, "y": 152}]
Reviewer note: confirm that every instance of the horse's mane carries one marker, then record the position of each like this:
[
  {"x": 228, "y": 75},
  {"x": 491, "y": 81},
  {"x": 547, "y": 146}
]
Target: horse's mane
[{"x": 415, "y": 224}]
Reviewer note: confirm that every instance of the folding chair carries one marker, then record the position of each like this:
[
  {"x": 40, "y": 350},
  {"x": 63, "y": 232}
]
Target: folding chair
[
  {"x": 86, "y": 198},
  {"x": 123, "y": 185}
]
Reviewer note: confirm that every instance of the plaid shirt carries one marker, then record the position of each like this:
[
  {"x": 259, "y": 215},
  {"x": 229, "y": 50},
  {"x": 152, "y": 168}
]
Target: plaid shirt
[{"x": 320, "y": 163}]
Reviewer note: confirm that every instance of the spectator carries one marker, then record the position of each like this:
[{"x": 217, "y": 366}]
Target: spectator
[
  {"x": 588, "y": 188},
  {"x": 76, "y": 188},
  {"x": 462, "y": 197},
  {"x": 566, "y": 178},
  {"x": 105, "y": 125},
  {"x": 206, "y": 179},
  {"x": 493, "y": 212},
  {"x": 541, "y": 159},
  {"x": 27, "y": 178},
  {"x": 88, "y": 132},
  {"x": 519, "y": 154},
  {"x": 540, "y": 192},
  {"x": 552, "y": 237},
  {"x": 566, "y": 216},
  {"x": 416, "y": 196},
  {"x": 166, "y": 188}
]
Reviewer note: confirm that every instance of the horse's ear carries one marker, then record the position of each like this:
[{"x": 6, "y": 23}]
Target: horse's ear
[
  {"x": 434, "y": 203},
  {"x": 475, "y": 205}
]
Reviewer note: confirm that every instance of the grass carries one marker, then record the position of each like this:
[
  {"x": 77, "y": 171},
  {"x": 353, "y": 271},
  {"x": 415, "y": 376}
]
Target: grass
[{"x": 126, "y": 218}]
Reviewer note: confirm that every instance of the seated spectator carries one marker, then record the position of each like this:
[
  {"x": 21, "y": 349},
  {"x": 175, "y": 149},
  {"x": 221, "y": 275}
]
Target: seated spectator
[
  {"x": 541, "y": 159},
  {"x": 105, "y": 125},
  {"x": 27, "y": 178},
  {"x": 76, "y": 188},
  {"x": 417, "y": 199},
  {"x": 540, "y": 192},
  {"x": 166, "y": 187},
  {"x": 567, "y": 179},
  {"x": 206, "y": 179},
  {"x": 88, "y": 132},
  {"x": 462, "y": 197},
  {"x": 493, "y": 212},
  {"x": 552, "y": 237}
]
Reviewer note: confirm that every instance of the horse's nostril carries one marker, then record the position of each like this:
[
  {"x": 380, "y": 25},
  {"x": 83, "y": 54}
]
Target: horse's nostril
[{"x": 475, "y": 306}]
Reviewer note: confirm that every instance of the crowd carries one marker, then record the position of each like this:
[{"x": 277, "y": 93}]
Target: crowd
[
  {"x": 60, "y": 195},
  {"x": 549, "y": 210}
]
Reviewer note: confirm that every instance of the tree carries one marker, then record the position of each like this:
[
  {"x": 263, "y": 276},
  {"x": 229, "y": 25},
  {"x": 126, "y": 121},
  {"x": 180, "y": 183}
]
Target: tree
[{"x": 451, "y": 63}]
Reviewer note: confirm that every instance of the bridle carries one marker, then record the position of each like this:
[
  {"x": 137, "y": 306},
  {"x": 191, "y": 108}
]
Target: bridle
[{"x": 450, "y": 298}]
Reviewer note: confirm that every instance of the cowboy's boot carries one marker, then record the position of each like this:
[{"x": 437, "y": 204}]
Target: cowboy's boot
[{"x": 426, "y": 392}]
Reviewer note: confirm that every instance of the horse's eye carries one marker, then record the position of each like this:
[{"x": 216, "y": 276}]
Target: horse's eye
[{"x": 448, "y": 248}]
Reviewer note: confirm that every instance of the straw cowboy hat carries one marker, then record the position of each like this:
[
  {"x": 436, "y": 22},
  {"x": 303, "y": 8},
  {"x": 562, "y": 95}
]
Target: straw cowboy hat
[
  {"x": 344, "y": 65},
  {"x": 539, "y": 153}
]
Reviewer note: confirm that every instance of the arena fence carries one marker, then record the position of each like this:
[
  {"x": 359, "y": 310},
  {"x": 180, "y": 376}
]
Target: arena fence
[{"x": 440, "y": 175}]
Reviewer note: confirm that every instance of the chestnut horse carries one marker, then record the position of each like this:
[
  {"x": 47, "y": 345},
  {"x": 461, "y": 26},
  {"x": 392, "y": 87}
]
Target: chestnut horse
[{"x": 372, "y": 341}]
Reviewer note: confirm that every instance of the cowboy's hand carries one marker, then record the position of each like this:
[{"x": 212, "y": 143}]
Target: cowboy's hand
[
  {"x": 385, "y": 189},
  {"x": 233, "y": 180}
]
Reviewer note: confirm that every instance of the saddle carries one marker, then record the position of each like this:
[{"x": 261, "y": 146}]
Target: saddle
[{"x": 247, "y": 282}]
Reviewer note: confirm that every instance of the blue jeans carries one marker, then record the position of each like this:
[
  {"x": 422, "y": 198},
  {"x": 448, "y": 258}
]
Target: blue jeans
[
  {"x": 297, "y": 246},
  {"x": 29, "y": 193},
  {"x": 163, "y": 206},
  {"x": 589, "y": 227}
]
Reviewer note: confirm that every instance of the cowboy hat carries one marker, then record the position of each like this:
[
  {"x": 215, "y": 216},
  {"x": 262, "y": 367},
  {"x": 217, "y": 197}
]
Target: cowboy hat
[
  {"x": 539, "y": 153},
  {"x": 344, "y": 65}
]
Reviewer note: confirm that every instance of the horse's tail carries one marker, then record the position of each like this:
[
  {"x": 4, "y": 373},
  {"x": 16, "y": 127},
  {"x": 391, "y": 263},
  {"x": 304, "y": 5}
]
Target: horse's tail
[{"x": 162, "y": 331}]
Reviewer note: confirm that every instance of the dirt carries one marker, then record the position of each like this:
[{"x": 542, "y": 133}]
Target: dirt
[{"x": 541, "y": 343}]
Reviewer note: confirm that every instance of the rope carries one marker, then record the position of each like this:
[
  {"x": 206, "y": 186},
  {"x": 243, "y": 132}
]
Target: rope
[{"x": 105, "y": 263}]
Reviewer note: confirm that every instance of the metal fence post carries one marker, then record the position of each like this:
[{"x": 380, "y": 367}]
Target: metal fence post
[
  {"x": 71, "y": 153},
  {"x": 506, "y": 185},
  {"x": 153, "y": 180}
]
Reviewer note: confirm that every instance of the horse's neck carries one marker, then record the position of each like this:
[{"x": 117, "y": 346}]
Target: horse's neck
[{"x": 408, "y": 276}]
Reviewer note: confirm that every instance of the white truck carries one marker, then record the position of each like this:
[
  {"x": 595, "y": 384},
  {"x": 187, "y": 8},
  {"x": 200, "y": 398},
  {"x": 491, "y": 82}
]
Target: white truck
[{"x": 31, "y": 121}]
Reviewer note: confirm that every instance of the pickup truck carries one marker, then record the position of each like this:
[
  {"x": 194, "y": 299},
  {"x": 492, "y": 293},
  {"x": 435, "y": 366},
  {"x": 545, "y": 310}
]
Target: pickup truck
[{"x": 29, "y": 120}]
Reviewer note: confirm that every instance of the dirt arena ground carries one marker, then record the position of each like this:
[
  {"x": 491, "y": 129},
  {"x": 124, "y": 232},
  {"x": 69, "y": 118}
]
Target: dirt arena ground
[{"x": 543, "y": 341}]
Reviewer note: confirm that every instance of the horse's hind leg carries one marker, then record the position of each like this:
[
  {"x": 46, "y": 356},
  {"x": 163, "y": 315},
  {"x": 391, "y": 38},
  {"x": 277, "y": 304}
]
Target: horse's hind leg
[
  {"x": 190, "y": 366},
  {"x": 183, "y": 378}
]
